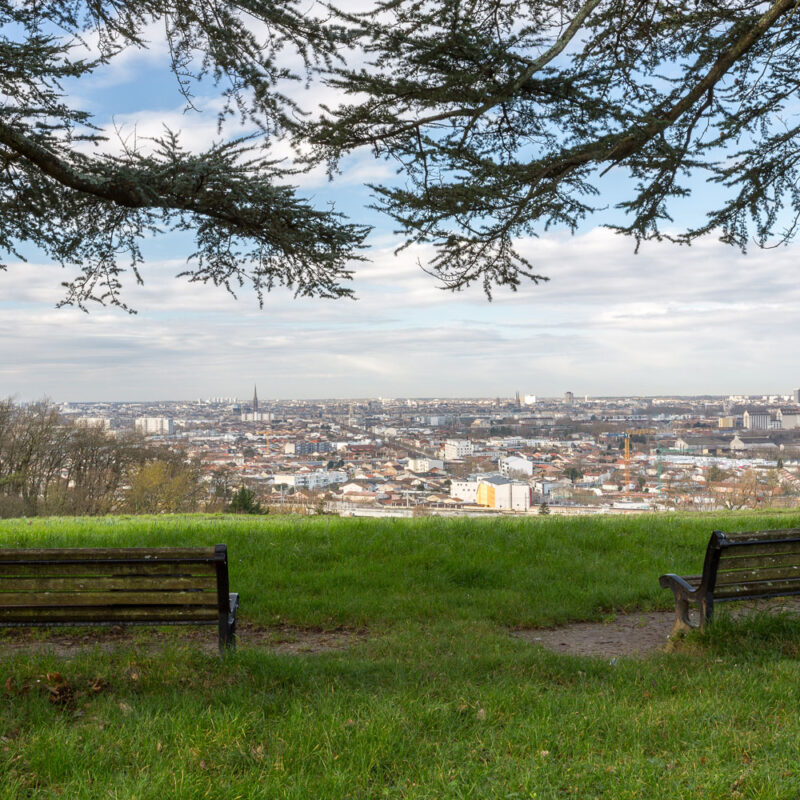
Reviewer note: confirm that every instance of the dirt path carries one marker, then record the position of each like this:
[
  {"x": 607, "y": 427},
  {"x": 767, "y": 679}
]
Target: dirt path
[
  {"x": 275, "y": 639},
  {"x": 627, "y": 635},
  {"x": 635, "y": 634}
]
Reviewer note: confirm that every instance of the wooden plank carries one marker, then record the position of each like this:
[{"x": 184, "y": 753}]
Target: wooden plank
[
  {"x": 101, "y": 568},
  {"x": 758, "y": 588},
  {"x": 101, "y": 584},
  {"x": 774, "y": 533},
  {"x": 111, "y": 614},
  {"x": 756, "y": 562},
  {"x": 106, "y": 553},
  {"x": 766, "y": 549},
  {"x": 71, "y": 599},
  {"x": 748, "y": 575}
]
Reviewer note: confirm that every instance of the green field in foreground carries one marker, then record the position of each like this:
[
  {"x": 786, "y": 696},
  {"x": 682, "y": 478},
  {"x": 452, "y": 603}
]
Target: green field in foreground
[{"x": 435, "y": 699}]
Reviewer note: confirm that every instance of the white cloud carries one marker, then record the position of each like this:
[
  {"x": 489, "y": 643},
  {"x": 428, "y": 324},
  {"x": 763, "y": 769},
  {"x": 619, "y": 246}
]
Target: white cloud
[{"x": 669, "y": 320}]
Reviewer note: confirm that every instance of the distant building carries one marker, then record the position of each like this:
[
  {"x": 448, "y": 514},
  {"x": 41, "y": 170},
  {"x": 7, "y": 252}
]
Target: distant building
[
  {"x": 515, "y": 464},
  {"x": 457, "y": 448},
  {"x": 726, "y": 423},
  {"x": 569, "y": 398},
  {"x": 789, "y": 418},
  {"x": 495, "y": 491},
  {"x": 796, "y": 395},
  {"x": 756, "y": 419},
  {"x": 319, "y": 479},
  {"x": 256, "y": 416},
  {"x": 739, "y": 443},
  {"x": 94, "y": 422},
  {"x": 703, "y": 445},
  {"x": 154, "y": 426},
  {"x": 424, "y": 464},
  {"x": 306, "y": 448},
  {"x": 464, "y": 490}
]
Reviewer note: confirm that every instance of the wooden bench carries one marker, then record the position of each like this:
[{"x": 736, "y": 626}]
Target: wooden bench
[
  {"x": 738, "y": 566},
  {"x": 118, "y": 586}
]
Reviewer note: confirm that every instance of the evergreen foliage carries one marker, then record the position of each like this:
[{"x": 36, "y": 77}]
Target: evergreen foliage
[
  {"x": 86, "y": 206},
  {"x": 501, "y": 115},
  {"x": 504, "y": 115},
  {"x": 244, "y": 502}
]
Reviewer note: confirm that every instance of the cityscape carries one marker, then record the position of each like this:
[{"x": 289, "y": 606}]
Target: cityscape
[{"x": 521, "y": 454}]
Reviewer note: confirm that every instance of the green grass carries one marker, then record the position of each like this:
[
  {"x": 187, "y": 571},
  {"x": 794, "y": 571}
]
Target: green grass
[{"x": 437, "y": 701}]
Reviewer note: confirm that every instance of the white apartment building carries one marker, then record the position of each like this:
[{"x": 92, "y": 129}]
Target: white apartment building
[
  {"x": 94, "y": 422},
  {"x": 465, "y": 490},
  {"x": 154, "y": 426},
  {"x": 319, "y": 479},
  {"x": 789, "y": 418},
  {"x": 457, "y": 448},
  {"x": 256, "y": 416},
  {"x": 515, "y": 464},
  {"x": 756, "y": 420},
  {"x": 424, "y": 464}
]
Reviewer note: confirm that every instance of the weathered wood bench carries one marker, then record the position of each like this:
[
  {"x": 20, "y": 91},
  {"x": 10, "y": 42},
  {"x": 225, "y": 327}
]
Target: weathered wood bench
[
  {"x": 118, "y": 586},
  {"x": 738, "y": 566}
]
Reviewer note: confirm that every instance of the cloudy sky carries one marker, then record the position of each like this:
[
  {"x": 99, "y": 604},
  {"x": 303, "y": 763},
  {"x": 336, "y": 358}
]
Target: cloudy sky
[{"x": 669, "y": 320}]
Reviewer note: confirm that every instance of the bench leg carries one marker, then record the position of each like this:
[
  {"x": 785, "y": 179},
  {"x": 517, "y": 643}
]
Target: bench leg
[
  {"x": 706, "y": 610},
  {"x": 682, "y": 623},
  {"x": 227, "y": 624}
]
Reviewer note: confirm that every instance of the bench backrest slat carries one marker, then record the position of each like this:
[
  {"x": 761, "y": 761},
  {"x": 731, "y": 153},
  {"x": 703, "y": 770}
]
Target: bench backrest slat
[
  {"x": 759, "y": 574},
  {"x": 108, "y": 615},
  {"x": 110, "y": 569},
  {"x": 757, "y": 589},
  {"x": 33, "y": 584},
  {"x": 773, "y": 534},
  {"x": 115, "y": 598},
  {"x": 788, "y": 548},
  {"x": 126, "y": 554},
  {"x": 758, "y": 562}
]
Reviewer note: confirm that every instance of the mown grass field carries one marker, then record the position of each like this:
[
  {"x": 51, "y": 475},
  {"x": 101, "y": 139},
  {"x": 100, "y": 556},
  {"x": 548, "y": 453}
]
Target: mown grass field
[{"x": 436, "y": 700}]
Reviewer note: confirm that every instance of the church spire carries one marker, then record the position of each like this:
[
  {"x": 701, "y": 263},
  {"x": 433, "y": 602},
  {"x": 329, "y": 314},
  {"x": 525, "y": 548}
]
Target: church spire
[{"x": 255, "y": 400}]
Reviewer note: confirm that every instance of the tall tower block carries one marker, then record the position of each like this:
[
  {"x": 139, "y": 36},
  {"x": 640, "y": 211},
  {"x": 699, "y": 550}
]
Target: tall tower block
[{"x": 255, "y": 400}]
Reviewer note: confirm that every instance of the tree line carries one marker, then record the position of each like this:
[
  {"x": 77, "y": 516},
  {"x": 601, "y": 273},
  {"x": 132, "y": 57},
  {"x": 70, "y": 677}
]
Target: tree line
[{"x": 50, "y": 465}]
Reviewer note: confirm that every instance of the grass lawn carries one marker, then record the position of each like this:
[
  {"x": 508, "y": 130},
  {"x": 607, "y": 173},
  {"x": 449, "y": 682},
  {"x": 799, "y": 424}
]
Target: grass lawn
[{"x": 437, "y": 700}]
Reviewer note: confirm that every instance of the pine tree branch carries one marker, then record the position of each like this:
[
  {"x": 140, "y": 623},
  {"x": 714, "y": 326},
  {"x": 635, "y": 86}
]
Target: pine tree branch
[
  {"x": 474, "y": 114},
  {"x": 121, "y": 192},
  {"x": 615, "y": 149}
]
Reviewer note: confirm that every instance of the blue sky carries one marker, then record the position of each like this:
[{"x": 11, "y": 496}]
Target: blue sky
[{"x": 669, "y": 320}]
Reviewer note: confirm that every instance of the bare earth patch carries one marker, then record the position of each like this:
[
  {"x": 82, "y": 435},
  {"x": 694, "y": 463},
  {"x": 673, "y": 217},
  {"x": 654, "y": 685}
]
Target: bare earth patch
[
  {"x": 275, "y": 639},
  {"x": 626, "y": 635},
  {"x": 635, "y": 634}
]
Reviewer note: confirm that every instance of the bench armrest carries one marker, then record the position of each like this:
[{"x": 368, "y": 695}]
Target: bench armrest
[{"x": 677, "y": 584}]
